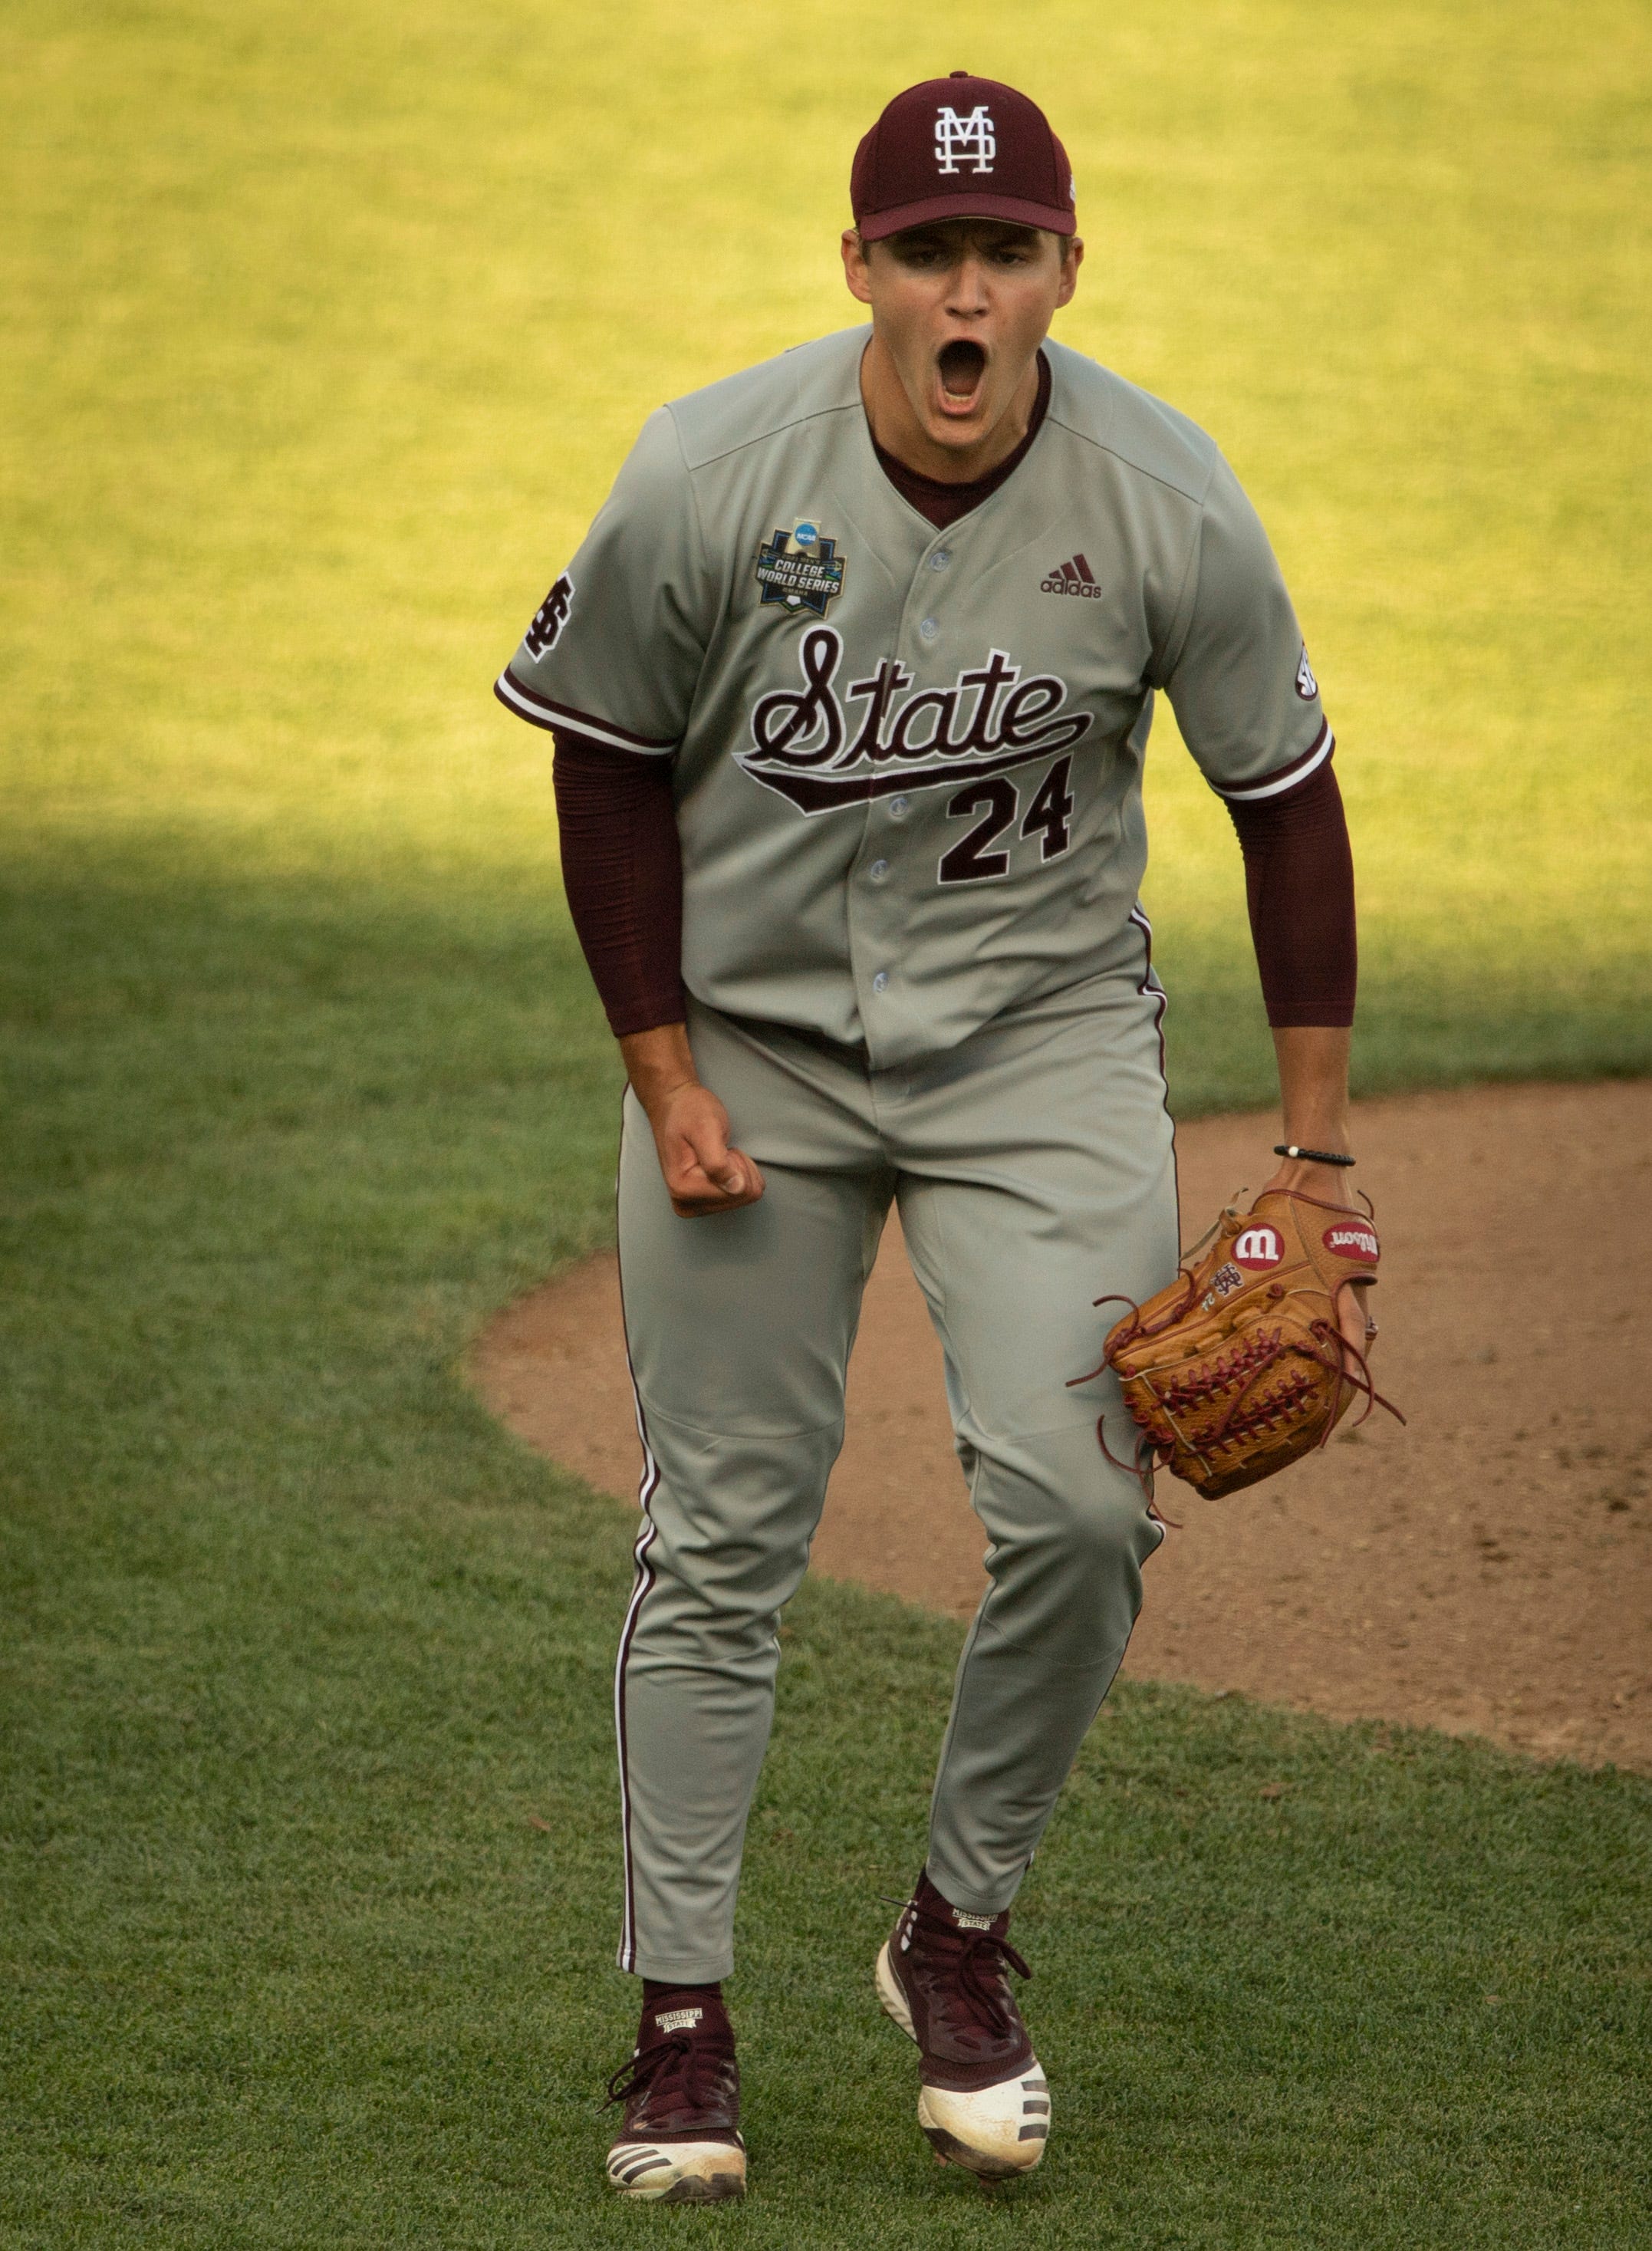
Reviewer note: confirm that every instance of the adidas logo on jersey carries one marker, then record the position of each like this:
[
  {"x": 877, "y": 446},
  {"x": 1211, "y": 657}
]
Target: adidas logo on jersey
[{"x": 1073, "y": 577}]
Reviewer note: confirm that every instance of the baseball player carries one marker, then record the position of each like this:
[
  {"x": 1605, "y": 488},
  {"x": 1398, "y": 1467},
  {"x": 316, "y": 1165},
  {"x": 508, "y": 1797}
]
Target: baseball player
[{"x": 851, "y": 683}]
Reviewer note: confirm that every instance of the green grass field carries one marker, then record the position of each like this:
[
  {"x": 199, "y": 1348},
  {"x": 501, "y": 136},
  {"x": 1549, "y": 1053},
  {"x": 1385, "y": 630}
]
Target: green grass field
[{"x": 324, "y": 329}]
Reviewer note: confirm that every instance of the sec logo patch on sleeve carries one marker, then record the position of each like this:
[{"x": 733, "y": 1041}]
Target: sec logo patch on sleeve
[{"x": 1258, "y": 1248}]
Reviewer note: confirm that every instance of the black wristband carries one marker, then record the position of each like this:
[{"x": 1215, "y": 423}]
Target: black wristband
[{"x": 1313, "y": 1156}]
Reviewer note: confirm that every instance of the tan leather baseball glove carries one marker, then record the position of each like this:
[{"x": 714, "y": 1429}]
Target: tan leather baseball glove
[{"x": 1239, "y": 1367}]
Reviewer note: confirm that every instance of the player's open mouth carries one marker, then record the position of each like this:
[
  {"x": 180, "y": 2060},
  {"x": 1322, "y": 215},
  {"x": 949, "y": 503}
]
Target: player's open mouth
[{"x": 961, "y": 366}]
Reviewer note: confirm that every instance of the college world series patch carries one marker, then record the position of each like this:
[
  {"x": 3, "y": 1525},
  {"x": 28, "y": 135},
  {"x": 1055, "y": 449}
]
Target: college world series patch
[{"x": 800, "y": 569}]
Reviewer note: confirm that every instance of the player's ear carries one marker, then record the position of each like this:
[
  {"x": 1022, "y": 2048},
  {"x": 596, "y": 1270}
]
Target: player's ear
[
  {"x": 1072, "y": 258},
  {"x": 855, "y": 271}
]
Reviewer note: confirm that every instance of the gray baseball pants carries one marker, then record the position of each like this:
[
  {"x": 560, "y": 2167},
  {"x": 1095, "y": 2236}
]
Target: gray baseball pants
[{"x": 1034, "y": 1171}]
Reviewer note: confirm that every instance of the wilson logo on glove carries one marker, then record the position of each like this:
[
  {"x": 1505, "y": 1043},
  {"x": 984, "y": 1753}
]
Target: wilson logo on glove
[
  {"x": 1353, "y": 1242},
  {"x": 1225, "y": 1385},
  {"x": 1258, "y": 1248}
]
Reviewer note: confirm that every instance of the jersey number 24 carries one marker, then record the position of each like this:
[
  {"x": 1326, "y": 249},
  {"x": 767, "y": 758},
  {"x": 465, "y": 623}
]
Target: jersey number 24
[{"x": 972, "y": 860}]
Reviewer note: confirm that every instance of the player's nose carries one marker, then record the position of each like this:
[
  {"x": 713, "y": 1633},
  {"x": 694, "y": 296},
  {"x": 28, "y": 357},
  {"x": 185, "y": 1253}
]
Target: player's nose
[{"x": 968, "y": 295}]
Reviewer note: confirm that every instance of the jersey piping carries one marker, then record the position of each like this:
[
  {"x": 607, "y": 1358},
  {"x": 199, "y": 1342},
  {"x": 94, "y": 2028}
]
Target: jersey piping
[
  {"x": 540, "y": 711},
  {"x": 1293, "y": 772}
]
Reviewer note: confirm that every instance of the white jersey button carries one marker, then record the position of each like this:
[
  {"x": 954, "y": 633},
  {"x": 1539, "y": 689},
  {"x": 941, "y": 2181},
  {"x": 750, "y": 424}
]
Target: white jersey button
[
  {"x": 880, "y": 982},
  {"x": 930, "y": 630},
  {"x": 899, "y": 807},
  {"x": 941, "y": 558},
  {"x": 878, "y": 870}
]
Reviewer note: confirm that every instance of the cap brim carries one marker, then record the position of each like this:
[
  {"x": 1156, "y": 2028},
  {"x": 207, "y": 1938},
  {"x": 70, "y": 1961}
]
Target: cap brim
[{"x": 1054, "y": 219}]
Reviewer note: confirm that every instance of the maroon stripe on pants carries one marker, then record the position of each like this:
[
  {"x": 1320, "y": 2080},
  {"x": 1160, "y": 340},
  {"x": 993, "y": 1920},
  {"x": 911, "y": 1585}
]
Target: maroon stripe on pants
[{"x": 644, "y": 1579}]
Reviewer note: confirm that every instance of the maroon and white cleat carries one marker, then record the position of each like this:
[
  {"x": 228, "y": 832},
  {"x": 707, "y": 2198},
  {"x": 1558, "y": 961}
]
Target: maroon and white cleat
[
  {"x": 983, "y": 2099},
  {"x": 681, "y": 2140}
]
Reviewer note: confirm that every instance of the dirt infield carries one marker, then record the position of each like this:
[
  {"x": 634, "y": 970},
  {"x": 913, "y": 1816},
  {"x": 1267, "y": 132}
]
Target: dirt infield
[{"x": 1487, "y": 1570}]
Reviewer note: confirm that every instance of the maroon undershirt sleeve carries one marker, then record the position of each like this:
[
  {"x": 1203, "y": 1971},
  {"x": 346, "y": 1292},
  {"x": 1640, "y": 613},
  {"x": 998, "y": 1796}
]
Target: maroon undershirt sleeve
[
  {"x": 622, "y": 870},
  {"x": 1299, "y": 884}
]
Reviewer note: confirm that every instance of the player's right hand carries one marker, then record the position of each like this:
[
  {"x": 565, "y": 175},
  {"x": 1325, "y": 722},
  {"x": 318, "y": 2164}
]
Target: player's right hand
[{"x": 703, "y": 1174}]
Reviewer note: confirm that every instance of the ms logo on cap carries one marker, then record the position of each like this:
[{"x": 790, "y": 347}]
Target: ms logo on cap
[
  {"x": 960, "y": 147},
  {"x": 1259, "y": 1247},
  {"x": 954, "y": 137}
]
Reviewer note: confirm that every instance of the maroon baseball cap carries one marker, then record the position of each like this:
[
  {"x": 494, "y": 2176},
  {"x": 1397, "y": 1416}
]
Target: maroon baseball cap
[{"x": 961, "y": 148}]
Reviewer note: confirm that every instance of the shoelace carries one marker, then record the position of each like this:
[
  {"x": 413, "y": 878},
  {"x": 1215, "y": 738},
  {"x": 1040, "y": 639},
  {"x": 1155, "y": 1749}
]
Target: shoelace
[
  {"x": 981, "y": 1960},
  {"x": 698, "y": 2061}
]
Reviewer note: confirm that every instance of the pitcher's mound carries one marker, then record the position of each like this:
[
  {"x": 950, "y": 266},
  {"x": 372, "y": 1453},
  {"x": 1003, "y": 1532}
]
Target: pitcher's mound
[{"x": 1488, "y": 1569}]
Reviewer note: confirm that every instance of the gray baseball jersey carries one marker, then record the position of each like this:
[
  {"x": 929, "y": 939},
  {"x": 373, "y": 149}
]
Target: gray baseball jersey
[{"x": 908, "y": 762}]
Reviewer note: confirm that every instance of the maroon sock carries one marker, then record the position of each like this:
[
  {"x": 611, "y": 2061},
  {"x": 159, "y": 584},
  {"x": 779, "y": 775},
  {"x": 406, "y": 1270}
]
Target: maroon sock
[
  {"x": 656, "y": 1990},
  {"x": 930, "y": 1895}
]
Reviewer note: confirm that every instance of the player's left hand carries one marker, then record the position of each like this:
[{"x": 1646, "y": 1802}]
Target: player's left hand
[{"x": 1329, "y": 1184}]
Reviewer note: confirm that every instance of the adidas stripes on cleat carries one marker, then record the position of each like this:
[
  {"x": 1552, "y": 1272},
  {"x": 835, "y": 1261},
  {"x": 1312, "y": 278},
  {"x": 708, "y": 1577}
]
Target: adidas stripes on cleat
[
  {"x": 680, "y": 2142},
  {"x": 984, "y": 2102}
]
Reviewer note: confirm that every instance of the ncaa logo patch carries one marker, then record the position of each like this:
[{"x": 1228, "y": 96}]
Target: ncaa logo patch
[
  {"x": 1259, "y": 1247},
  {"x": 1353, "y": 1240},
  {"x": 1307, "y": 686},
  {"x": 804, "y": 576}
]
